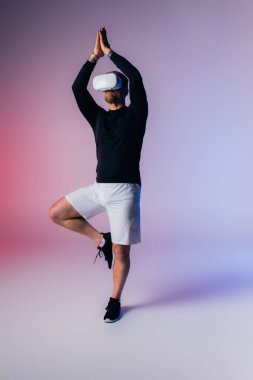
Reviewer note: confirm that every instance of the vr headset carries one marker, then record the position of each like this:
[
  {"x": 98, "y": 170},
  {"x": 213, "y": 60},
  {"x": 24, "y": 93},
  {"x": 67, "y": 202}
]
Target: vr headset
[{"x": 109, "y": 81}]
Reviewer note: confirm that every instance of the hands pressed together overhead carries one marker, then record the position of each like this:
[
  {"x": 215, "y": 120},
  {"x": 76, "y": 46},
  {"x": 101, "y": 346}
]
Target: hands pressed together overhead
[{"x": 102, "y": 45}]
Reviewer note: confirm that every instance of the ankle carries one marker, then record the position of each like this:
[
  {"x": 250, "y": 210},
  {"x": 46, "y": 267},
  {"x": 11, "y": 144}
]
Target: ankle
[
  {"x": 116, "y": 297},
  {"x": 98, "y": 238}
]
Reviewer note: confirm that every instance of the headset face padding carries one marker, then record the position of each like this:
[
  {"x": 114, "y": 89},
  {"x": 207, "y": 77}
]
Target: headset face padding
[{"x": 109, "y": 81}]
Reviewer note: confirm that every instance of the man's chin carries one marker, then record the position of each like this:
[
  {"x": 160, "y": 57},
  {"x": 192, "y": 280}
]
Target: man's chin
[
  {"x": 109, "y": 101},
  {"x": 112, "y": 100}
]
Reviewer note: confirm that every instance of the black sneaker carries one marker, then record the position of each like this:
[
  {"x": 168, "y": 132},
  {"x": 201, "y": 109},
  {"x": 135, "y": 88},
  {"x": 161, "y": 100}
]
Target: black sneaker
[
  {"x": 106, "y": 249},
  {"x": 113, "y": 310}
]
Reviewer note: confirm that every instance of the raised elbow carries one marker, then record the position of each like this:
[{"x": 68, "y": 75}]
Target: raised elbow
[
  {"x": 74, "y": 87},
  {"x": 78, "y": 88}
]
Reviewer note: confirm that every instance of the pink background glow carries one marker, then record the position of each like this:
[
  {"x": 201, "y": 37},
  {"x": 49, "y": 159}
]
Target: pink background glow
[{"x": 195, "y": 59}]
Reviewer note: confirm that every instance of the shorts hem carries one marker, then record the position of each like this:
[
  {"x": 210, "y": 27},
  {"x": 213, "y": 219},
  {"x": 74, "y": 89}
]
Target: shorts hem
[{"x": 128, "y": 243}]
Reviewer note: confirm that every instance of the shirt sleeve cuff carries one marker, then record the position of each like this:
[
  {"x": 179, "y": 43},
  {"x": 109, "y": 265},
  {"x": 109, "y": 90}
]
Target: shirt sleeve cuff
[{"x": 109, "y": 54}]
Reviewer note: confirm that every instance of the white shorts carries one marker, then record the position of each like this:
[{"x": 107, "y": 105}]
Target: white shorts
[{"x": 120, "y": 200}]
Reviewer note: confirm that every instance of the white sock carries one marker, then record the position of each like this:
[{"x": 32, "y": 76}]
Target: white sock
[{"x": 102, "y": 242}]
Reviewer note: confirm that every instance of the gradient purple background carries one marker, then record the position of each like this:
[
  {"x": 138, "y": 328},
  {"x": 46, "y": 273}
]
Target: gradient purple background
[{"x": 196, "y": 61}]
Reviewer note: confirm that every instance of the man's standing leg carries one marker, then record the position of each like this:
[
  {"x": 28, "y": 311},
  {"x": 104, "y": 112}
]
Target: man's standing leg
[
  {"x": 120, "y": 272},
  {"x": 121, "y": 268},
  {"x": 123, "y": 208}
]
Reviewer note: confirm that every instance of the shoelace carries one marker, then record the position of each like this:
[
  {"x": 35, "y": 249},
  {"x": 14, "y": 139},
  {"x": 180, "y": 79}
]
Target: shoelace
[{"x": 100, "y": 253}]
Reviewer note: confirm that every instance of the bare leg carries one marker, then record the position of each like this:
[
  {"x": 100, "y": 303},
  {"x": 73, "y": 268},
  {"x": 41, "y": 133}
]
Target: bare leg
[
  {"x": 121, "y": 268},
  {"x": 62, "y": 213}
]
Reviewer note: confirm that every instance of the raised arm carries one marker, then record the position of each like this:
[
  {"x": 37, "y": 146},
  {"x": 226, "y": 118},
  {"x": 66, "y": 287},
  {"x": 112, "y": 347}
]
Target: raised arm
[
  {"x": 87, "y": 105},
  {"x": 137, "y": 93}
]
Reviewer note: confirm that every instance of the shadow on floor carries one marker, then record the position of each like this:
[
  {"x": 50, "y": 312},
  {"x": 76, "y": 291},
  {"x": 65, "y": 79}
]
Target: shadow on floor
[{"x": 216, "y": 286}]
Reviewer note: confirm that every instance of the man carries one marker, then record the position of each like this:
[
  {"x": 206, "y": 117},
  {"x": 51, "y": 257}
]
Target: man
[{"x": 118, "y": 135}]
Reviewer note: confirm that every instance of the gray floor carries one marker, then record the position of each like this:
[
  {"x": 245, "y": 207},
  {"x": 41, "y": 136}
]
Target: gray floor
[{"x": 187, "y": 312}]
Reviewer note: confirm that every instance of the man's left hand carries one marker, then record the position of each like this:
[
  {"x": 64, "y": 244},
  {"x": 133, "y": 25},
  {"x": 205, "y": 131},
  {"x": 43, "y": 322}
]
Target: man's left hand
[{"x": 104, "y": 44}]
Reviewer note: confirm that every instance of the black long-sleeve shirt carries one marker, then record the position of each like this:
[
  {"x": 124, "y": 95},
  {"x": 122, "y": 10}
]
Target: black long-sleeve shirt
[{"x": 118, "y": 133}]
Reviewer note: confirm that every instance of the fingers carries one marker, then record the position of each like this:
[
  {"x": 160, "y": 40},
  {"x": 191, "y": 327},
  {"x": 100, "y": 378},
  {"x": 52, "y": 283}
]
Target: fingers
[
  {"x": 102, "y": 30},
  {"x": 103, "y": 37}
]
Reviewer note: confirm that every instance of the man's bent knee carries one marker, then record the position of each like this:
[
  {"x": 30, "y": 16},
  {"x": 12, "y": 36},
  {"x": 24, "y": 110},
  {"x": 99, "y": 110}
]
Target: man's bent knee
[
  {"x": 54, "y": 214},
  {"x": 61, "y": 210}
]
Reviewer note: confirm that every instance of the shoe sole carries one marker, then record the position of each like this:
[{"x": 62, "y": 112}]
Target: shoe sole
[
  {"x": 110, "y": 321},
  {"x": 112, "y": 263},
  {"x": 113, "y": 259}
]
